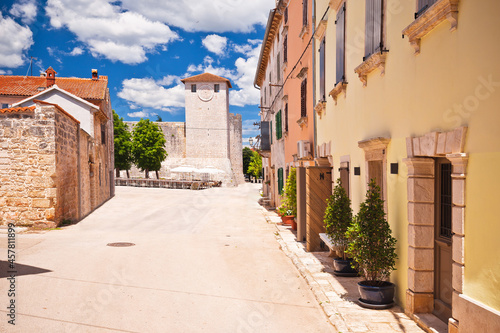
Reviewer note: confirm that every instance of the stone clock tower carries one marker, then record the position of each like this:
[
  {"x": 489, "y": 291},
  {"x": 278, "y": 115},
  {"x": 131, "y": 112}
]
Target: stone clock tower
[{"x": 213, "y": 135}]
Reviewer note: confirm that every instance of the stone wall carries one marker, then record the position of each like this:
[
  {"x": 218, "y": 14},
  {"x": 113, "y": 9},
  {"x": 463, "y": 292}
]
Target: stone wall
[
  {"x": 27, "y": 167},
  {"x": 66, "y": 138},
  {"x": 236, "y": 147},
  {"x": 85, "y": 180}
]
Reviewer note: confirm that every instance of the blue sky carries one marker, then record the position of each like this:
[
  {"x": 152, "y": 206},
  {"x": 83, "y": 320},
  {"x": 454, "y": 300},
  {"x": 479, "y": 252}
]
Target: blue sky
[{"x": 144, "y": 47}]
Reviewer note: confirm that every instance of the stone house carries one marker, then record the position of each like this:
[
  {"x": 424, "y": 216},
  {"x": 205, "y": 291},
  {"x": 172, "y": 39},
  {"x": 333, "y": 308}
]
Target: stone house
[{"x": 56, "y": 148}]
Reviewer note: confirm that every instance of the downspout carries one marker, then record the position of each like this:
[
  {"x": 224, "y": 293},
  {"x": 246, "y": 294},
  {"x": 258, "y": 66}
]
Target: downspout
[{"x": 314, "y": 74}]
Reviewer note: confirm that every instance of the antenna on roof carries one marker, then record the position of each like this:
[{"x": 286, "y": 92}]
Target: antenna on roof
[{"x": 31, "y": 64}]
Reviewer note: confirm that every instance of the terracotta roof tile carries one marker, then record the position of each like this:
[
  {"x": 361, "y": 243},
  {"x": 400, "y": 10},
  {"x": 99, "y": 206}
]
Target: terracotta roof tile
[
  {"x": 207, "y": 77},
  {"x": 31, "y": 85},
  {"x": 18, "y": 109}
]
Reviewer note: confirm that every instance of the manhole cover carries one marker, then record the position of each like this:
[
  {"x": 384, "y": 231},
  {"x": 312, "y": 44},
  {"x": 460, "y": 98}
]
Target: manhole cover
[{"x": 120, "y": 244}]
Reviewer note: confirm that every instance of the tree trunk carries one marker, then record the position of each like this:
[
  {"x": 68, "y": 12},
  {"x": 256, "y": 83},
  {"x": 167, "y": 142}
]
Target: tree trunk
[
  {"x": 147, "y": 173},
  {"x": 128, "y": 174},
  {"x": 157, "y": 175},
  {"x": 117, "y": 173}
]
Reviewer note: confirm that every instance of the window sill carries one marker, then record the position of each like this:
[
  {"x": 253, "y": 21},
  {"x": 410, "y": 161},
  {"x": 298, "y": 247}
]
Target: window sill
[
  {"x": 302, "y": 122},
  {"x": 335, "y": 4},
  {"x": 437, "y": 13},
  {"x": 376, "y": 60},
  {"x": 304, "y": 31},
  {"x": 320, "y": 108},
  {"x": 339, "y": 88}
]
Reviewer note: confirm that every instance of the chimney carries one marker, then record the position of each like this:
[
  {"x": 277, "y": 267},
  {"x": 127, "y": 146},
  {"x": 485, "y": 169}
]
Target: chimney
[
  {"x": 95, "y": 76},
  {"x": 51, "y": 76}
]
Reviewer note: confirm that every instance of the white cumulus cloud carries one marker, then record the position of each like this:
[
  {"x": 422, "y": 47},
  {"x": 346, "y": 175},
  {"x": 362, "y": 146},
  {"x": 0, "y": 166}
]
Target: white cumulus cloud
[
  {"x": 14, "y": 41},
  {"x": 26, "y": 10},
  {"x": 211, "y": 16},
  {"x": 148, "y": 93},
  {"x": 215, "y": 43},
  {"x": 138, "y": 114},
  {"x": 76, "y": 51},
  {"x": 109, "y": 31}
]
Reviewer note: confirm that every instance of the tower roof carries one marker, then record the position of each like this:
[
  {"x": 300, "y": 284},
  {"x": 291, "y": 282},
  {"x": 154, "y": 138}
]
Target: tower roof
[{"x": 206, "y": 77}]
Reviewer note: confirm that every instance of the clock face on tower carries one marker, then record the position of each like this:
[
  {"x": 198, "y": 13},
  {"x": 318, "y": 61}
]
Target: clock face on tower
[{"x": 205, "y": 92}]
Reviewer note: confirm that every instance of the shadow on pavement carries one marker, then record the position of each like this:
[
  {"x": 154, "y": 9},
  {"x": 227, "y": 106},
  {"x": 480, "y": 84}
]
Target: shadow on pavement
[{"x": 21, "y": 269}]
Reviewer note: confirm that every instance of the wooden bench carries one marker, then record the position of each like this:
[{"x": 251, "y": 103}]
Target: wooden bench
[{"x": 328, "y": 242}]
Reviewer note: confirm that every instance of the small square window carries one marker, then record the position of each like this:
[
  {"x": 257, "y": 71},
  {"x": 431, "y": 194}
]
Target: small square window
[
  {"x": 216, "y": 88},
  {"x": 193, "y": 88},
  {"x": 5, "y": 106}
]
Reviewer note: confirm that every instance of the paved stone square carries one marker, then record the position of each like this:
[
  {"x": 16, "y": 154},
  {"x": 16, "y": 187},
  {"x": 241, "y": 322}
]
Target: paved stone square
[{"x": 203, "y": 261}]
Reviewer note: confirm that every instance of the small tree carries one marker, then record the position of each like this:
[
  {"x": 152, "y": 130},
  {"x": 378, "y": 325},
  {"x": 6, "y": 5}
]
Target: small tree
[
  {"x": 371, "y": 243},
  {"x": 255, "y": 166},
  {"x": 123, "y": 145},
  {"x": 148, "y": 146},
  {"x": 338, "y": 217},
  {"x": 247, "y": 157},
  {"x": 290, "y": 193}
]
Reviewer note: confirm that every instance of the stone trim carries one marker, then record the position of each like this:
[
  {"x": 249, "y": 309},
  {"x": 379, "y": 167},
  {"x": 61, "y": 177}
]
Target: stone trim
[
  {"x": 486, "y": 319},
  {"x": 302, "y": 122},
  {"x": 335, "y": 4},
  {"x": 304, "y": 31},
  {"x": 434, "y": 15},
  {"x": 320, "y": 30},
  {"x": 376, "y": 60},
  {"x": 437, "y": 144},
  {"x": 302, "y": 74},
  {"x": 320, "y": 108},
  {"x": 337, "y": 90},
  {"x": 421, "y": 220}
]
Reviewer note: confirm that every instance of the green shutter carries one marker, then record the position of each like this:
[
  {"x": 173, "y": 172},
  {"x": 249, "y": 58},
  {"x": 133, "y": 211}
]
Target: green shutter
[
  {"x": 279, "y": 130},
  {"x": 280, "y": 181},
  {"x": 271, "y": 131}
]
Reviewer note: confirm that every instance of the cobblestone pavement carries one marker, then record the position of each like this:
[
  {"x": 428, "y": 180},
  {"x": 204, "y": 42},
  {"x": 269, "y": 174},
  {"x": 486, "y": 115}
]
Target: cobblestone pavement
[{"x": 337, "y": 295}]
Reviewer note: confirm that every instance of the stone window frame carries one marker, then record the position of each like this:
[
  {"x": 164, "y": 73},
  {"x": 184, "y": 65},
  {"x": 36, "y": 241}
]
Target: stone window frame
[
  {"x": 422, "y": 153},
  {"x": 376, "y": 150},
  {"x": 440, "y": 11}
]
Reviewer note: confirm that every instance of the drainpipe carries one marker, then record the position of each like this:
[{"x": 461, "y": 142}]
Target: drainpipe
[{"x": 313, "y": 29}]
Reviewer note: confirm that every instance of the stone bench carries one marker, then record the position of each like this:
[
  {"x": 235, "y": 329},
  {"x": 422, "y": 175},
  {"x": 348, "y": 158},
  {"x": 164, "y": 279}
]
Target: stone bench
[{"x": 328, "y": 242}]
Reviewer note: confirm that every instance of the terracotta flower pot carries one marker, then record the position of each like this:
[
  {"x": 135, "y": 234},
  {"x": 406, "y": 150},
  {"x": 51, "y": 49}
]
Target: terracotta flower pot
[
  {"x": 294, "y": 224},
  {"x": 287, "y": 219}
]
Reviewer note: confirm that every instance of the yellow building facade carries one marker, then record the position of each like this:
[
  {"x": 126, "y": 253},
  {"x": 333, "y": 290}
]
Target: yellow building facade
[{"x": 412, "y": 99}]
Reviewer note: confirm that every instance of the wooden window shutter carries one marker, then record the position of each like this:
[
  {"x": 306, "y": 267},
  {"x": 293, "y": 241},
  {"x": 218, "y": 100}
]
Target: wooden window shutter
[
  {"x": 322, "y": 93},
  {"x": 271, "y": 131},
  {"x": 278, "y": 69},
  {"x": 285, "y": 49},
  {"x": 344, "y": 177},
  {"x": 286, "y": 117},
  {"x": 279, "y": 127},
  {"x": 374, "y": 24},
  {"x": 340, "y": 34},
  {"x": 280, "y": 181},
  {"x": 303, "y": 98},
  {"x": 304, "y": 12},
  {"x": 286, "y": 15}
]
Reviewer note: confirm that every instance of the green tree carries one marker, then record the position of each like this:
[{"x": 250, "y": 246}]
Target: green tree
[
  {"x": 247, "y": 157},
  {"x": 290, "y": 199},
  {"x": 148, "y": 144},
  {"x": 338, "y": 217},
  {"x": 371, "y": 244},
  {"x": 123, "y": 145},
  {"x": 255, "y": 166},
  {"x": 158, "y": 118}
]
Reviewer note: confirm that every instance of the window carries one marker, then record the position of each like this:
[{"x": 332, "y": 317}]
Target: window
[
  {"x": 286, "y": 117},
  {"x": 422, "y": 6},
  {"x": 271, "y": 131},
  {"x": 373, "y": 27},
  {"x": 216, "y": 88},
  {"x": 445, "y": 202},
  {"x": 265, "y": 94},
  {"x": 286, "y": 15},
  {"x": 103, "y": 134},
  {"x": 304, "y": 12},
  {"x": 279, "y": 131},
  {"x": 264, "y": 136},
  {"x": 340, "y": 50},
  {"x": 344, "y": 176},
  {"x": 280, "y": 181},
  {"x": 193, "y": 88},
  {"x": 285, "y": 49},
  {"x": 278, "y": 69},
  {"x": 303, "y": 98},
  {"x": 322, "y": 93},
  {"x": 5, "y": 106}
]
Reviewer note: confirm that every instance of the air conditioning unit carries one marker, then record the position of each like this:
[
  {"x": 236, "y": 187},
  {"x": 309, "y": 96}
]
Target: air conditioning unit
[{"x": 303, "y": 149}]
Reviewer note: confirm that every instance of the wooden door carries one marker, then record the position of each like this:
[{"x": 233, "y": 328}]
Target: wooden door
[
  {"x": 318, "y": 189},
  {"x": 443, "y": 289}
]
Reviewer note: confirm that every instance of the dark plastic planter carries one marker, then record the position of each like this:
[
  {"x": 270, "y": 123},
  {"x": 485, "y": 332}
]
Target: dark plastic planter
[
  {"x": 344, "y": 268},
  {"x": 376, "y": 297}
]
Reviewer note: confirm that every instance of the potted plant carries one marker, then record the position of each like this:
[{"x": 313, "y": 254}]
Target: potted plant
[
  {"x": 373, "y": 248},
  {"x": 290, "y": 197},
  {"x": 338, "y": 218}
]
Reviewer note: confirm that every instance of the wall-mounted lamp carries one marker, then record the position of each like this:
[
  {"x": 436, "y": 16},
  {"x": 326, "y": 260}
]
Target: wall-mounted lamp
[
  {"x": 357, "y": 171},
  {"x": 394, "y": 168}
]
